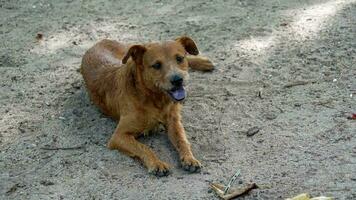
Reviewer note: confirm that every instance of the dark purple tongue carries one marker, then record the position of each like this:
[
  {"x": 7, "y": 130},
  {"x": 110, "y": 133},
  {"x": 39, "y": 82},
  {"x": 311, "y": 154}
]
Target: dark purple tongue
[{"x": 178, "y": 94}]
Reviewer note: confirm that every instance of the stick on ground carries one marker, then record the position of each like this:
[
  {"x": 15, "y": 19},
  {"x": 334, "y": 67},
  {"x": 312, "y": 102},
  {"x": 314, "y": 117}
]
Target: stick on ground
[
  {"x": 234, "y": 192},
  {"x": 61, "y": 148}
]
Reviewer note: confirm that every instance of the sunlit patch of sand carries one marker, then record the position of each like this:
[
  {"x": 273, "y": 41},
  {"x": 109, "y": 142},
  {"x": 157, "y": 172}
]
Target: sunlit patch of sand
[
  {"x": 306, "y": 24},
  {"x": 86, "y": 36},
  {"x": 53, "y": 43},
  {"x": 256, "y": 44}
]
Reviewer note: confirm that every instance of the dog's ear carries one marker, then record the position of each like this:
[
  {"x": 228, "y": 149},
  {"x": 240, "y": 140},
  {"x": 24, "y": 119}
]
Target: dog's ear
[
  {"x": 136, "y": 53},
  {"x": 188, "y": 44}
]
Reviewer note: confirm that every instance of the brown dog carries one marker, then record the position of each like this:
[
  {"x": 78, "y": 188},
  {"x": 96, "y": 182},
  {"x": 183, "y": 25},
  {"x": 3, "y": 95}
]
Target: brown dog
[{"x": 143, "y": 92}]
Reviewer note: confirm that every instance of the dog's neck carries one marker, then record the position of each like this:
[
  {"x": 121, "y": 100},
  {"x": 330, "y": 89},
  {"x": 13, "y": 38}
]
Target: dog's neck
[{"x": 158, "y": 98}]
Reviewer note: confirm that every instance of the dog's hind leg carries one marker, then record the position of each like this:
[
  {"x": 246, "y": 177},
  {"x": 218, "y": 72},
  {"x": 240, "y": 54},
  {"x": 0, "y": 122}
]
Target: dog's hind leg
[
  {"x": 200, "y": 63},
  {"x": 124, "y": 140},
  {"x": 117, "y": 49}
]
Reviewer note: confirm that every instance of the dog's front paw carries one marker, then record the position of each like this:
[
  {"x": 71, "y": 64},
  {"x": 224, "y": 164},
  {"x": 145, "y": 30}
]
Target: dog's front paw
[
  {"x": 159, "y": 169},
  {"x": 191, "y": 164}
]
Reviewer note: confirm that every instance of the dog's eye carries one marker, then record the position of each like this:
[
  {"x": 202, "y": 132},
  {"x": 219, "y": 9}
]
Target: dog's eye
[
  {"x": 157, "y": 65},
  {"x": 179, "y": 59}
]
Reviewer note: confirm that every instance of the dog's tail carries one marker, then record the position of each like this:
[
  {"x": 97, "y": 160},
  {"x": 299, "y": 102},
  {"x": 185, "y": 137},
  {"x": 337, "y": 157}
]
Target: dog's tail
[{"x": 200, "y": 63}]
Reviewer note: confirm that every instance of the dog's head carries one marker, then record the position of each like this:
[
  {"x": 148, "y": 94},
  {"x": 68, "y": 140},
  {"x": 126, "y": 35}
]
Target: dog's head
[{"x": 164, "y": 66}]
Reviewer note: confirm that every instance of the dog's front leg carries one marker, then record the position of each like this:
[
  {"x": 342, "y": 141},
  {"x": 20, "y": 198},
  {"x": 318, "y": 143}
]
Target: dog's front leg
[
  {"x": 178, "y": 138},
  {"x": 124, "y": 140}
]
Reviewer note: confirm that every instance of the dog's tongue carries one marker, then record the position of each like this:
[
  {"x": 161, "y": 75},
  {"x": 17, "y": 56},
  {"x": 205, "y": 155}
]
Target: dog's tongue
[{"x": 178, "y": 94}]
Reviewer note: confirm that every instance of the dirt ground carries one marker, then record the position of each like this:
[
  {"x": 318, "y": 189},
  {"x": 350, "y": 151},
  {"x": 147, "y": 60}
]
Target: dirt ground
[{"x": 299, "y": 55}]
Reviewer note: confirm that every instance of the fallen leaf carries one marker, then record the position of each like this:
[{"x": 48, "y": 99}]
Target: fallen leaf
[{"x": 352, "y": 116}]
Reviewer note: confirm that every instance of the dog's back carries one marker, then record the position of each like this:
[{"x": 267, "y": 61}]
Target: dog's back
[
  {"x": 98, "y": 68},
  {"x": 102, "y": 56}
]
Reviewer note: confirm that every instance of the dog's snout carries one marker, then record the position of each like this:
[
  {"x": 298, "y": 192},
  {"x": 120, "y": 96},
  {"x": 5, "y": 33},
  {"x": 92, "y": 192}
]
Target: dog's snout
[{"x": 176, "y": 80}]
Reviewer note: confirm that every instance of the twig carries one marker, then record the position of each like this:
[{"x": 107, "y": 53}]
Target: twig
[
  {"x": 231, "y": 181},
  {"x": 235, "y": 192},
  {"x": 297, "y": 83},
  {"x": 230, "y": 94},
  {"x": 61, "y": 148},
  {"x": 259, "y": 94},
  {"x": 323, "y": 103}
]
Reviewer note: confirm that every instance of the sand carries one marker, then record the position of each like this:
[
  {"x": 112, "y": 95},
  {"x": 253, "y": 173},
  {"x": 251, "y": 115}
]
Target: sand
[{"x": 285, "y": 68}]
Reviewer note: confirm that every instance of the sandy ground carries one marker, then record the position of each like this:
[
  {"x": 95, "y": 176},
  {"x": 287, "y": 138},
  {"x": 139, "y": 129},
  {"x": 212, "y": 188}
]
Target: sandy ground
[{"x": 304, "y": 143}]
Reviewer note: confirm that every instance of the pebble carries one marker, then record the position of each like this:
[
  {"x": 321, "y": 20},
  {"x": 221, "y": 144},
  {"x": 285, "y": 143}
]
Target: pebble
[
  {"x": 77, "y": 112},
  {"x": 297, "y": 105},
  {"x": 271, "y": 116},
  {"x": 252, "y": 131},
  {"x": 46, "y": 183}
]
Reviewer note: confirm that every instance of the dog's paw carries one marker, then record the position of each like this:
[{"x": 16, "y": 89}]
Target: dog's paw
[
  {"x": 191, "y": 164},
  {"x": 159, "y": 169},
  {"x": 200, "y": 63},
  {"x": 206, "y": 65}
]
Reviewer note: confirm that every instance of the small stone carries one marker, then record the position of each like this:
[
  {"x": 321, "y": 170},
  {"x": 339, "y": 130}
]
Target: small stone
[
  {"x": 252, "y": 131},
  {"x": 95, "y": 166},
  {"x": 39, "y": 36},
  {"x": 138, "y": 176},
  {"x": 22, "y": 130},
  {"x": 77, "y": 112},
  {"x": 15, "y": 187},
  {"x": 259, "y": 93},
  {"x": 46, "y": 183},
  {"x": 76, "y": 85},
  {"x": 297, "y": 105},
  {"x": 270, "y": 116}
]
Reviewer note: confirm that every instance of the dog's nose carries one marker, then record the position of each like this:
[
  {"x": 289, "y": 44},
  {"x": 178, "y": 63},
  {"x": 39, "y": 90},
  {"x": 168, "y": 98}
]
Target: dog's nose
[{"x": 176, "y": 80}]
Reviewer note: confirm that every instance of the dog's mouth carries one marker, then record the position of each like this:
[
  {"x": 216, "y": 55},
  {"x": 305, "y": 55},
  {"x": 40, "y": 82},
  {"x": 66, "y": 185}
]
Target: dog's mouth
[{"x": 177, "y": 93}]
